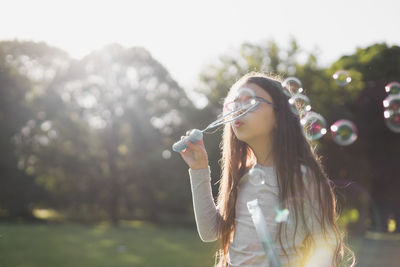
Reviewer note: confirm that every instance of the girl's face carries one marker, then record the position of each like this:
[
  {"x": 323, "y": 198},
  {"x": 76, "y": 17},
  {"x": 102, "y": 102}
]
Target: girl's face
[{"x": 258, "y": 124}]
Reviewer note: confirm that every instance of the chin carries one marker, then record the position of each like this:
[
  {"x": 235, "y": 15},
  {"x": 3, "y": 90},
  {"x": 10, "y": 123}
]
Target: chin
[{"x": 241, "y": 137}]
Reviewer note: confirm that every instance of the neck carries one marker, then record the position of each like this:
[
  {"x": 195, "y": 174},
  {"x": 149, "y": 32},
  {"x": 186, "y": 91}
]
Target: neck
[{"x": 262, "y": 150}]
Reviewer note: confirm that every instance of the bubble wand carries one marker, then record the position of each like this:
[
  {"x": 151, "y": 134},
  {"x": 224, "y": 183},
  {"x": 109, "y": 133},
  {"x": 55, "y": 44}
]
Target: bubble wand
[
  {"x": 263, "y": 234},
  {"x": 245, "y": 102}
]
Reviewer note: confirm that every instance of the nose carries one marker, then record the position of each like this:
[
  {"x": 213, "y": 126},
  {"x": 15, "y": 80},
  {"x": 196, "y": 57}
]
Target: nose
[{"x": 240, "y": 112}]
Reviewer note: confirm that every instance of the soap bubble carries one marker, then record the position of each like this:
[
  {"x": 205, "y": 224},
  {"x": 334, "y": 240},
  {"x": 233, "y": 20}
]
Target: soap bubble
[
  {"x": 281, "y": 215},
  {"x": 257, "y": 176},
  {"x": 293, "y": 85},
  {"x": 392, "y": 120},
  {"x": 299, "y": 104},
  {"x": 314, "y": 125},
  {"x": 392, "y": 102},
  {"x": 392, "y": 112},
  {"x": 286, "y": 92},
  {"x": 344, "y": 132},
  {"x": 243, "y": 98},
  {"x": 341, "y": 77},
  {"x": 166, "y": 154},
  {"x": 392, "y": 88}
]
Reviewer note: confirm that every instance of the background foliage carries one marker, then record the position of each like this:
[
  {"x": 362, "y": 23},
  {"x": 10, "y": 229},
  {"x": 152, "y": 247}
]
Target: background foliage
[{"x": 91, "y": 139}]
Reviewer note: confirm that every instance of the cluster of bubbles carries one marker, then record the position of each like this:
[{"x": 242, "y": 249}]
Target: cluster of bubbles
[
  {"x": 344, "y": 132},
  {"x": 257, "y": 178},
  {"x": 391, "y": 106}
]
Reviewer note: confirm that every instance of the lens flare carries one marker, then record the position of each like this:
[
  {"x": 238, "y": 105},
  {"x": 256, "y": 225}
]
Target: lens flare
[{"x": 281, "y": 215}]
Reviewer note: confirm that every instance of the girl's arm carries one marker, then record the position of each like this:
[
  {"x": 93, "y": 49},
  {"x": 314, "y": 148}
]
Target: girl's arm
[{"x": 206, "y": 213}]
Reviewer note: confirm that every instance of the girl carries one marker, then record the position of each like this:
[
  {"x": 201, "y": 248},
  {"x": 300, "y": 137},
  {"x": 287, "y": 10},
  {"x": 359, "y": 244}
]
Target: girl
[{"x": 269, "y": 138}]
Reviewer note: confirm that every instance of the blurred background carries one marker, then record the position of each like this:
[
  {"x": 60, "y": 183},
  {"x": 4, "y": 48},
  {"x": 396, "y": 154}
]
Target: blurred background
[{"x": 94, "y": 93}]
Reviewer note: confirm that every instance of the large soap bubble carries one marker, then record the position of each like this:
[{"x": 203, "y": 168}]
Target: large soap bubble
[
  {"x": 243, "y": 98},
  {"x": 299, "y": 104},
  {"x": 293, "y": 85},
  {"x": 257, "y": 176},
  {"x": 344, "y": 132},
  {"x": 393, "y": 88},
  {"x": 314, "y": 125}
]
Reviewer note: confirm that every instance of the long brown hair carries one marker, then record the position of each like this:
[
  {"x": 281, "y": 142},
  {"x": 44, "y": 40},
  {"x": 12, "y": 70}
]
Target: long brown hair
[{"x": 290, "y": 150}]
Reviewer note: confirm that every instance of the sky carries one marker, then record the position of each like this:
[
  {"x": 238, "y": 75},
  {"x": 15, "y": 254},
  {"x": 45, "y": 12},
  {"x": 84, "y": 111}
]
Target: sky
[{"x": 186, "y": 36}]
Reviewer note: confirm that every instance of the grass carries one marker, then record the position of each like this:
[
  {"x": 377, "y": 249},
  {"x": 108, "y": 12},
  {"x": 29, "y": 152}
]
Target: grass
[
  {"x": 141, "y": 244},
  {"x": 42, "y": 245}
]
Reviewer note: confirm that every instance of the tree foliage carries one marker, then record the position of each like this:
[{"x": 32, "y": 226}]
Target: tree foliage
[{"x": 92, "y": 137}]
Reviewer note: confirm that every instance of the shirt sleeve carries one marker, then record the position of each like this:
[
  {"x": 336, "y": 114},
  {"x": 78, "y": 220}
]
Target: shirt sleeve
[{"x": 206, "y": 213}]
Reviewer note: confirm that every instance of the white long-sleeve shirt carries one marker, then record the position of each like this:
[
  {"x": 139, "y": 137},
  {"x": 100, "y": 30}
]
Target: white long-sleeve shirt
[{"x": 246, "y": 248}]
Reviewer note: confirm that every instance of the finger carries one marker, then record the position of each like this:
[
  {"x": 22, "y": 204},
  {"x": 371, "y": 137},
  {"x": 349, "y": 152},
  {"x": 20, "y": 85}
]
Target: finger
[
  {"x": 193, "y": 146},
  {"x": 200, "y": 142},
  {"x": 188, "y": 132}
]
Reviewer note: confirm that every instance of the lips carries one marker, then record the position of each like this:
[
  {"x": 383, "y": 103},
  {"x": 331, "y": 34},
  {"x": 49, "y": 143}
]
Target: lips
[{"x": 237, "y": 124}]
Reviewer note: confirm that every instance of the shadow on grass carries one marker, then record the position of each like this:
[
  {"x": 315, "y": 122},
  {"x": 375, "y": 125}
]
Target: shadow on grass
[{"x": 131, "y": 244}]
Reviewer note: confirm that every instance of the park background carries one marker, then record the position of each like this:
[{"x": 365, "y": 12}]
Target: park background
[{"x": 87, "y": 174}]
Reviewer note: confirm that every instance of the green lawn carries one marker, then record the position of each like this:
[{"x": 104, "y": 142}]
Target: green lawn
[
  {"x": 50, "y": 245},
  {"x": 138, "y": 244}
]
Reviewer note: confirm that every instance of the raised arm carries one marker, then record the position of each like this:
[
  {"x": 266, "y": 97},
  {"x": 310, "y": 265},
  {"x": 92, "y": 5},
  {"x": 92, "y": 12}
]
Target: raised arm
[{"x": 205, "y": 211}]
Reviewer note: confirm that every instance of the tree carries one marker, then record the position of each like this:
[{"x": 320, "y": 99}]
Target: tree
[
  {"x": 357, "y": 169},
  {"x": 379, "y": 64},
  {"x": 97, "y": 132},
  {"x": 18, "y": 74}
]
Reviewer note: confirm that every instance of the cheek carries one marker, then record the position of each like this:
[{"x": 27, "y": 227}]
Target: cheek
[
  {"x": 265, "y": 123},
  {"x": 263, "y": 120}
]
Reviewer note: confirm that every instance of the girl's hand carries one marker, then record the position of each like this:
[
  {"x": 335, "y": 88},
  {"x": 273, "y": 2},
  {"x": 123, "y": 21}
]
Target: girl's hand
[{"x": 195, "y": 155}]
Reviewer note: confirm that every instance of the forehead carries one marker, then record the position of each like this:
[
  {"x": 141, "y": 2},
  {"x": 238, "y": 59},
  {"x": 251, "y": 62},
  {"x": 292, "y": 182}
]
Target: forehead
[{"x": 257, "y": 90}]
